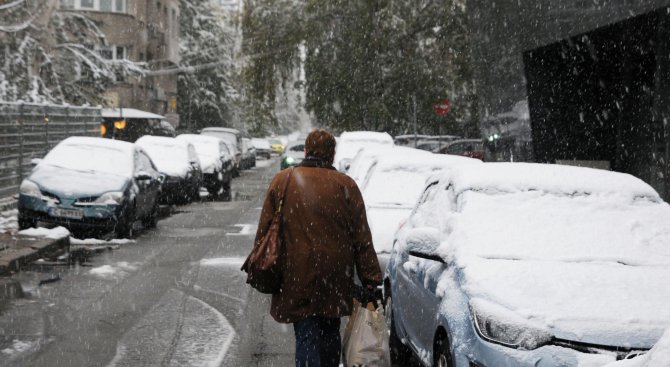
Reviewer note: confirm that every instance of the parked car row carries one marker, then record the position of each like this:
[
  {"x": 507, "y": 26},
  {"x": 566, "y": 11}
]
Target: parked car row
[
  {"x": 105, "y": 186},
  {"x": 513, "y": 264}
]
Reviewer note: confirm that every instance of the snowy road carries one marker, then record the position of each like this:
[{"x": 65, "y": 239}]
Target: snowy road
[{"x": 173, "y": 297}]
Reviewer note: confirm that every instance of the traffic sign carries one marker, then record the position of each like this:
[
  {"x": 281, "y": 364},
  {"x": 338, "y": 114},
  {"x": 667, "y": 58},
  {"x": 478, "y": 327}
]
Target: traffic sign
[{"x": 441, "y": 107}]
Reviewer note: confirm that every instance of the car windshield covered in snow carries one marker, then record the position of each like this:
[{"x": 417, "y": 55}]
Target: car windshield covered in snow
[{"x": 88, "y": 156}]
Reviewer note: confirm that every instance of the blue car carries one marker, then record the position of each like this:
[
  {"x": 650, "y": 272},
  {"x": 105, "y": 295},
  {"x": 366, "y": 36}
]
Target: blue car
[
  {"x": 91, "y": 185},
  {"x": 512, "y": 264}
]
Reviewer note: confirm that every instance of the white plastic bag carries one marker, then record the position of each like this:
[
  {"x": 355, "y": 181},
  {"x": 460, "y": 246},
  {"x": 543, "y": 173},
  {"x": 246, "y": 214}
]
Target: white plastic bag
[{"x": 366, "y": 338}]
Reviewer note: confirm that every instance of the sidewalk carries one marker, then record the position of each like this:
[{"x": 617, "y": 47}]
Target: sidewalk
[{"x": 17, "y": 250}]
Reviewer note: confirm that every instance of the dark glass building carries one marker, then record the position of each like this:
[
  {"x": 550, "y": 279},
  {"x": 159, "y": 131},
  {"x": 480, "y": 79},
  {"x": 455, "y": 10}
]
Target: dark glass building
[{"x": 576, "y": 82}]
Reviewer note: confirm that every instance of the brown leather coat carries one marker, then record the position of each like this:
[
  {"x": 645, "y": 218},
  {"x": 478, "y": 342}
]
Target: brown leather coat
[{"x": 325, "y": 234}]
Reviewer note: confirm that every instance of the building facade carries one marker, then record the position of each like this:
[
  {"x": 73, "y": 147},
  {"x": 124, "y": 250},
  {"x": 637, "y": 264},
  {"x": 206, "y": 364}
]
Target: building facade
[
  {"x": 593, "y": 75},
  {"x": 143, "y": 32}
]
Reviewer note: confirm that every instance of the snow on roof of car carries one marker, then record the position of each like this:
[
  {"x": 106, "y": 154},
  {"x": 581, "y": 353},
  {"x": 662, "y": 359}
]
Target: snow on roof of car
[
  {"x": 223, "y": 129},
  {"x": 366, "y": 136},
  {"x": 513, "y": 177},
  {"x": 170, "y": 155},
  {"x": 402, "y": 156},
  {"x": 94, "y": 154},
  {"x": 260, "y": 143},
  {"x": 199, "y": 138},
  {"x": 101, "y": 142},
  {"x": 129, "y": 113},
  {"x": 397, "y": 176},
  {"x": 160, "y": 140}
]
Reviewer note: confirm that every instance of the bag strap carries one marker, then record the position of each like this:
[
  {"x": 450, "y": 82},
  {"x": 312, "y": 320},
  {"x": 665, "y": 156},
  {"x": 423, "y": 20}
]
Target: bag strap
[{"x": 283, "y": 190}]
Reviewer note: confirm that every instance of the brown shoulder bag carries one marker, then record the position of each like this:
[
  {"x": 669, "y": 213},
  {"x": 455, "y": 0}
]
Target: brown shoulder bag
[{"x": 263, "y": 265}]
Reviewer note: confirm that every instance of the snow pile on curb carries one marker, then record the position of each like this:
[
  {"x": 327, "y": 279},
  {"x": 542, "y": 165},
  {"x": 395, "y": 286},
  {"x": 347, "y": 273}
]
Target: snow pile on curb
[{"x": 53, "y": 233}]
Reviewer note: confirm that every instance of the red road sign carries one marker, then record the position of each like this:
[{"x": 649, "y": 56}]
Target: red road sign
[{"x": 441, "y": 107}]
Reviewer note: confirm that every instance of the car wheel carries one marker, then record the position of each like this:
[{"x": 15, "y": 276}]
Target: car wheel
[
  {"x": 216, "y": 187},
  {"x": 124, "y": 227},
  {"x": 26, "y": 223},
  {"x": 400, "y": 354},
  {"x": 152, "y": 220},
  {"x": 195, "y": 194},
  {"x": 441, "y": 353},
  {"x": 227, "y": 194}
]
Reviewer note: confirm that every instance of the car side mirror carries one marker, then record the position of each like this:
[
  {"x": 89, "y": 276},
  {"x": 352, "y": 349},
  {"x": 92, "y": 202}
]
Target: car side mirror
[
  {"x": 424, "y": 242},
  {"x": 345, "y": 164},
  {"x": 35, "y": 161}
]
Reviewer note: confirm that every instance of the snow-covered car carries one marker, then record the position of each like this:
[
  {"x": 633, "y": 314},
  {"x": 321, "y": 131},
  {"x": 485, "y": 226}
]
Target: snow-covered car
[
  {"x": 92, "y": 184},
  {"x": 178, "y": 161},
  {"x": 392, "y": 182},
  {"x": 349, "y": 143},
  {"x": 293, "y": 154},
  {"x": 262, "y": 146},
  {"x": 233, "y": 138},
  {"x": 248, "y": 159},
  {"x": 216, "y": 164},
  {"x": 512, "y": 264}
]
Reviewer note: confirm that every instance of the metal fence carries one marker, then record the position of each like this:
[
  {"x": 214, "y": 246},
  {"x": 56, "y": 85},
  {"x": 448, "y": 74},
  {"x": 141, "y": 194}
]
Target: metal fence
[{"x": 29, "y": 131}]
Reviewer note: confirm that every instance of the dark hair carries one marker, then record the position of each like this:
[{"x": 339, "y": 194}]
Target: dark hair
[{"x": 320, "y": 144}]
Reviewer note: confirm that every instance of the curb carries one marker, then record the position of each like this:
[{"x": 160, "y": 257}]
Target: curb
[{"x": 17, "y": 251}]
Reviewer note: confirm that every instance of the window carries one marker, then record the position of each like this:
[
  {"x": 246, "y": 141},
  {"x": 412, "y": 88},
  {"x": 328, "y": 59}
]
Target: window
[
  {"x": 105, "y": 5},
  {"x": 113, "y": 52},
  {"x": 115, "y": 6},
  {"x": 120, "y": 53},
  {"x": 107, "y": 53}
]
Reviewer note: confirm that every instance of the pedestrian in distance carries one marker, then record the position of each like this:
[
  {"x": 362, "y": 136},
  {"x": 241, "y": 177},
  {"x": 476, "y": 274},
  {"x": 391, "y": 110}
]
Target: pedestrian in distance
[{"x": 325, "y": 241}]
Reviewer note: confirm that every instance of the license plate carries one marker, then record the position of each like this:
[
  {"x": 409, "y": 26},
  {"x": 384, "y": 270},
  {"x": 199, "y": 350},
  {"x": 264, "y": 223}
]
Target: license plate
[{"x": 66, "y": 213}]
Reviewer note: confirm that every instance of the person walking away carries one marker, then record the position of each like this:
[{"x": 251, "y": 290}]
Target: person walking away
[{"x": 326, "y": 240}]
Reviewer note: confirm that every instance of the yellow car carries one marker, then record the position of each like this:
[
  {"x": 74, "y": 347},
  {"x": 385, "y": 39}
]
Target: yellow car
[{"x": 277, "y": 146}]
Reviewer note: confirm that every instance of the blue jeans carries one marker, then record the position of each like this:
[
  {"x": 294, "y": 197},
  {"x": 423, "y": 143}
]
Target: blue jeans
[{"x": 317, "y": 342}]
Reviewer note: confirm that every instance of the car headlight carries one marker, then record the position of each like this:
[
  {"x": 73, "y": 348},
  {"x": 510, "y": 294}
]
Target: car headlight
[
  {"x": 110, "y": 198},
  {"x": 289, "y": 160},
  {"x": 499, "y": 325},
  {"x": 30, "y": 188}
]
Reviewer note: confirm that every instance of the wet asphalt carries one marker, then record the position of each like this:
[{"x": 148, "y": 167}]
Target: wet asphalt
[{"x": 173, "y": 297}]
